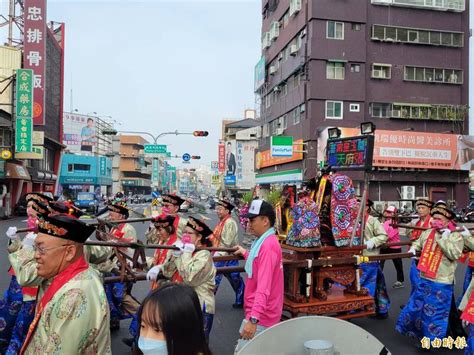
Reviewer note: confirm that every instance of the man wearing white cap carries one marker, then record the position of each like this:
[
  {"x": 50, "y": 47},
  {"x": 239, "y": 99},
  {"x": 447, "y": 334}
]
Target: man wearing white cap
[{"x": 393, "y": 237}]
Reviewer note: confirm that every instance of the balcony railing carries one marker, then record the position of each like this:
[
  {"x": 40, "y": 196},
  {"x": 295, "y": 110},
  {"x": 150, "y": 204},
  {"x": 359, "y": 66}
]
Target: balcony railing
[{"x": 439, "y": 5}]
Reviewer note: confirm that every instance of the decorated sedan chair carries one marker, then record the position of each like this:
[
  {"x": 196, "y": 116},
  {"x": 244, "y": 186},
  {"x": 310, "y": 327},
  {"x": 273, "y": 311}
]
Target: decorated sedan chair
[{"x": 324, "y": 219}]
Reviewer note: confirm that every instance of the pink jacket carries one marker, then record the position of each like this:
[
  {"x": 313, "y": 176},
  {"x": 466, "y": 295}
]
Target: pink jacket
[
  {"x": 393, "y": 233},
  {"x": 263, "y": 297}
]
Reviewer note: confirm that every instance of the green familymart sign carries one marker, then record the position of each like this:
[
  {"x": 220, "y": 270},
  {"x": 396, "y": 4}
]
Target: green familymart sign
[{"x": 281, "y": 146}]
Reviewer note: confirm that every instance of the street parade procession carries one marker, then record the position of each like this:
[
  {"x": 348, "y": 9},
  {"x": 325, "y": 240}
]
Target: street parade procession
[
  {"x": 247, "y": 177},
  {"x": 317, "y": 252}
]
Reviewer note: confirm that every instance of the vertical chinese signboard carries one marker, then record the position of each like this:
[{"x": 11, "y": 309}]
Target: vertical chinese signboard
[
  {"x": 23, "y": 133},
  {"x": 24, "y": 108},
  {"x": 34, "y": 55},
  {"x": 221, "y": 158}
]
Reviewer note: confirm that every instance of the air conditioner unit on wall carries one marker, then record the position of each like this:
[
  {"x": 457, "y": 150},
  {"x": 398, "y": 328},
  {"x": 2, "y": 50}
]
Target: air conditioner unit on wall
[
  {"x": 408, "y": 192},
  {"x": 272, "y": 70},
  {"x": 274, "y": 30},
  {"x": 295, "y": 7},
  {"x": 377, "y": 74},
  {"x": 279, "y": 131},
  {"x": 293, "y": 49},
  {"x": 276, "y": 89}
]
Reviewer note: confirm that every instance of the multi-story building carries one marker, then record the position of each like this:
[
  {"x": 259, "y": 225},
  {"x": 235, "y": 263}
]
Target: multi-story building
[
  {"x": 401, "y": 64},
  {"x": 131, "y": 171}
]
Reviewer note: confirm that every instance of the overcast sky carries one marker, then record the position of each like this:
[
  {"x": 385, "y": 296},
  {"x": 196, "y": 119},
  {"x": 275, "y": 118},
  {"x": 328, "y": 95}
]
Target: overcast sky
[{"x": 158, "y": 66}]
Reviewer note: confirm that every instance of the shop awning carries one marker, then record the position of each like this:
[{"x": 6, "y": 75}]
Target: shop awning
[
  {"x": 15, "y": 171},
  {"x": 281, "y": 177}
]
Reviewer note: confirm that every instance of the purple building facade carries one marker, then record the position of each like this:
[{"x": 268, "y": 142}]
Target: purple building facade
[{"x": 401, "y": 64}]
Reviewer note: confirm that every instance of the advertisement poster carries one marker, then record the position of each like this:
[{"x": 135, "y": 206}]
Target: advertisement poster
[
  {"x": 422, "y": 150},
  {"x": 79, "y": 133},
  {"x": 245, "y": 155},
  {"x": 230, "y": 163}
]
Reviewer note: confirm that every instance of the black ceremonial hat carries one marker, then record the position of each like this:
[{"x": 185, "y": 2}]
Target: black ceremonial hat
[
  {"x": 443, "y": 212},
  {"x": 173, "y": 199},
  {"x": 66, "y": 208},
  {"x": 120, "y": 208},
  {"x": 226, "y": 204},
  {"x": 65, "y": 227},
  {"x": 199, "y": 226}
]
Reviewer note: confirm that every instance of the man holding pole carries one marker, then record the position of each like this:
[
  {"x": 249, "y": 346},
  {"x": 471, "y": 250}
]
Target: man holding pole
[
  {"x": 171, "y": 204},
  {"x": 263, "y": 298},
  {"x": 427, "y": 313},
  {"x": 423, "y": 208},
  {"x": 72, "y": 316},
  {"x": 372, "y": 276},
  {"x": 122, "y": 304},
  {"x": 226, "y": 234}
]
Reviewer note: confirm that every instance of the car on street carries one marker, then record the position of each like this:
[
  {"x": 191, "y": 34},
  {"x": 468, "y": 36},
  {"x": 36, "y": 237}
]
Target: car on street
[
  {"x": 147, "y": 198},
  {"x": 87, "y": 201}
]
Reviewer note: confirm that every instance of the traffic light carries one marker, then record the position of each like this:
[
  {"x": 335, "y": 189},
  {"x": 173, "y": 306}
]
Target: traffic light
[
  {"x": 200, "y": 133},
  {"x": 195, "y": 157}
]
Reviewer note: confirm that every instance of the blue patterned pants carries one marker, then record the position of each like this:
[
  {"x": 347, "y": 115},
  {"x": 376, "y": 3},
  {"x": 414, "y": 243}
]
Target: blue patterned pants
[
  {"x": 234, "y": 278},
  {"x": 23, "y": 321},
  {"x": 414, "y": 275},
  {"x": 372, "y": 278},
  {"x": 9, "y": 308},
  {"x": 427, "y": 311}
]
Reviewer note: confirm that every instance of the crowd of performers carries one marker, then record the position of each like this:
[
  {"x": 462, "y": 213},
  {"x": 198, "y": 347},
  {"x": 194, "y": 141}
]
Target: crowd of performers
[{"x": 57, "y": 302}]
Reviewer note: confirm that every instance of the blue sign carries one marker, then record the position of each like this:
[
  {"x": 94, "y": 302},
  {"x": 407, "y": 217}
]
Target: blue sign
[
  {"x": 155, "y": 194},
  {"x": 229, "y": 180},
  {"x": 186, "y": 157}
]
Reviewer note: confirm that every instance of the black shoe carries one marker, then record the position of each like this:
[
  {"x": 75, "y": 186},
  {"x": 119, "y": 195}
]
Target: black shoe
[
  {"x": 402, "y": 306},
  {"x": 114, "y": 325},
  {"x": 238, "y": 305},
  {"x": 128, "y": 341},
  {"x": 382, "y": 316}
]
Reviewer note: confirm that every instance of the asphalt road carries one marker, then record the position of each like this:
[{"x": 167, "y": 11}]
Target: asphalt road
[{"x": 227, "y": 320}]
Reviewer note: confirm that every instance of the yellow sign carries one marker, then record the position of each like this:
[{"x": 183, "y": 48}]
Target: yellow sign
[
  {"x": 37, "y": 153},
  {"x": 6, "y": 154},
  {"x": 215, "y": 179},
  {"x": 154, "y": 202}
]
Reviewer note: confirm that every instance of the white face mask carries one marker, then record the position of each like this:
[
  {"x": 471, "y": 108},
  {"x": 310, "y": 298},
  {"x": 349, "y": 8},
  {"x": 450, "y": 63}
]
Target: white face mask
[{"x": 152, "y": 347}]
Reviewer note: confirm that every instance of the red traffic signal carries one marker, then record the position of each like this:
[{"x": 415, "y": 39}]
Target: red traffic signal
[
  {"x": 195, "y": 157},
  {"x": 200, "y": 133}
]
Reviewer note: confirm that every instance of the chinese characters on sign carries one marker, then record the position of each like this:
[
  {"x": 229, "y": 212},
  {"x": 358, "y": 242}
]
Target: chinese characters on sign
[
  {"x": 221, "y": 157},
  {"x": 24, "y": 93},
  {"x": 23, "y": 133},
  {"x": 350, "y": 153},
  {"x": 34, "y": 56},
  {"x": 245, "y": 155}
]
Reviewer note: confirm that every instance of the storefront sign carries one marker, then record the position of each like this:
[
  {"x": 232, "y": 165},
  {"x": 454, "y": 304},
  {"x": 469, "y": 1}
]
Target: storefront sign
[
  {"x": 229, "y": 180},
  {"x": 215, "y": 180},
  {"x": 354, "y": 153},
  {"x": 259, "y": 74},
  {"x": 38, "y": 138},
  {"x": 78, "y": 180},
  {"x": 281, "y": 146},
  {"x": 24, "y": 93},
  {"x": 103, "y": 166},
  {"x": 23, "y": 135},
  {"x": 34, "y": 52},
  {"x": 264, "y": 159},
  {"x": 221, "y": 158},
  {"x": 37, "y": 153},
  {"x": 422, "y": 150},
  {"x": 284, "y": 177},
  {"x": 155, "y": 171}
]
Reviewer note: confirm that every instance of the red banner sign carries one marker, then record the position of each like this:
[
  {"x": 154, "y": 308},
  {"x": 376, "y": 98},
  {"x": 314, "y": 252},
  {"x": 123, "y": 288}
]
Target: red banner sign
[
  {"x": 221, "y": 160},
  {"x": 34, "y": 55}
]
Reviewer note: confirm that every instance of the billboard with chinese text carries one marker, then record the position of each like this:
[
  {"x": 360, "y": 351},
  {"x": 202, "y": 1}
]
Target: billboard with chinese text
[
  {"x": 34, "y": 55},
  {"x": 421, "y": 150},
  {"x": 245, "y": 156}
]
